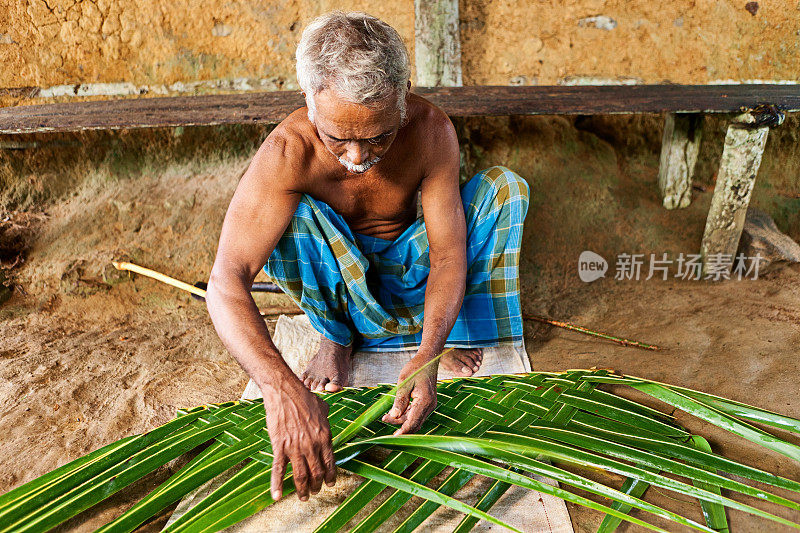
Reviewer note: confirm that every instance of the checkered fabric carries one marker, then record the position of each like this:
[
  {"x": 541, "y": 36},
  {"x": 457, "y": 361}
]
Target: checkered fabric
[{"x": 371, "y": 291}]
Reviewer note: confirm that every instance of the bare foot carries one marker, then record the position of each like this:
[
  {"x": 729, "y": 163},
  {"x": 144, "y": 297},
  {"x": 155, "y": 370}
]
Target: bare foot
[
  {"x": 463, "y": 361},
  {"x": 329, "y": 370}
]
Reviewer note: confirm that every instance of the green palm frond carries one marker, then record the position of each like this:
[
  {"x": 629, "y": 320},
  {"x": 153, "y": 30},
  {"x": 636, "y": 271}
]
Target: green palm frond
[{"x": 501, "y": 427}]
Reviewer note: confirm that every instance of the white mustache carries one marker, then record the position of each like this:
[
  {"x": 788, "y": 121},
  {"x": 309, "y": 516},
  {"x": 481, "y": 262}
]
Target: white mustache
[{"x": 363, "y": 167}]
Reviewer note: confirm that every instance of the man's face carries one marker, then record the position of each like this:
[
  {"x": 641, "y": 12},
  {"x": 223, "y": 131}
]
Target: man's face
[{"x": 357, "y": 135}]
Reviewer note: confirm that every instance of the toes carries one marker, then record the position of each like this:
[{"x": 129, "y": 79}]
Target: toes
[
  {"x": 333, "y": 387},
  {"x": 464, "y": 362},
  {"x": 320, "y": 383},
  {"x": 464, "y": 367},
  {"x": 470, "y": 361},
  {"x": 467, "y": 360},
  {"x": 477, "y": 358}
]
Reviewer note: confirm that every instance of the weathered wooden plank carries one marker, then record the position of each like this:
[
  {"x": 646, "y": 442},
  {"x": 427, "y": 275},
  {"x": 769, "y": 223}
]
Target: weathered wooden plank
[
  {"x": 271, "y": 107},
  {"x": 249, "y": 108},
  {"x": 680, "y": 145},
  {"x": 741, "y": 157},
  {"x": 437, "y": 43}
]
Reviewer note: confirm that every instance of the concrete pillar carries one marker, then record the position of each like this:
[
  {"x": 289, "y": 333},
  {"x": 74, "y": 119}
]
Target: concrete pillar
[
  {"x": 437, "y": 56},
  {"x": 680, "y": 145},
  {"x": 741, "y": 157},
  {"x": 437, "y": 43}
]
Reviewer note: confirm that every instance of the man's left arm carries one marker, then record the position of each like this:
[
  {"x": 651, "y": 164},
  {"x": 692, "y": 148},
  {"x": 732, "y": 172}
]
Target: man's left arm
[{"x": 445, "y": 225}]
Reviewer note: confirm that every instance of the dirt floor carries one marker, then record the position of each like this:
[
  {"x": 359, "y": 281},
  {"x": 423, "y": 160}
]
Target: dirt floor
[{"x": 90, "y": 355}]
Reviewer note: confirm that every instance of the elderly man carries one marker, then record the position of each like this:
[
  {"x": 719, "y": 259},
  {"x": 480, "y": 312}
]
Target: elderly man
[{"x": 328, "y": 208}]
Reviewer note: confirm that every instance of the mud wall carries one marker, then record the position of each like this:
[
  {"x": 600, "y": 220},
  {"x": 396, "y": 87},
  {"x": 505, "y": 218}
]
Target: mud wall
[{"x": 160, "y": 46}]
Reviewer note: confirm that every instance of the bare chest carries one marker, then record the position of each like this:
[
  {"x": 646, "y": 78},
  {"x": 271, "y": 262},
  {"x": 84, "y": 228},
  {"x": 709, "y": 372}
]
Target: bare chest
[{"x": 372, "y": 203}]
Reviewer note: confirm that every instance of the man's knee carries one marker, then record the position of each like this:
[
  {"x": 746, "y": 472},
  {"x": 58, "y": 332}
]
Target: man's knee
[
  {"x": 506, "y": 182},
  {"x": 506, "y": 186}
]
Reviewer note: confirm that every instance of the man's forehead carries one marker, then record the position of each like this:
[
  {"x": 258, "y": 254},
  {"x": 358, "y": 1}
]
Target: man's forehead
[
  {"x": 353, "y": 131},
  {"x": 346, "y": 120}
]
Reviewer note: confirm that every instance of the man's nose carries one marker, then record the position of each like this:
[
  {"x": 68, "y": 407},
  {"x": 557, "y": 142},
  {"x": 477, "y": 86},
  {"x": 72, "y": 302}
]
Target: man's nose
[{"x": 357, "y": 153}]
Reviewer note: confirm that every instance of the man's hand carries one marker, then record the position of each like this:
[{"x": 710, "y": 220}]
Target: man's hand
[
  {"x": 417, "y": 399},
  {"x": 298, "y": 428}
]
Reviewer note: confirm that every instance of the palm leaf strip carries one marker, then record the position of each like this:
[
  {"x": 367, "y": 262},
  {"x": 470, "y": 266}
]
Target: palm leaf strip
[{"x": 506, "y": 428}]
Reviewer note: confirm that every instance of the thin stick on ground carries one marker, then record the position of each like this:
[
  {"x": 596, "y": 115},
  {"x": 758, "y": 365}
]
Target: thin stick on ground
[
  {"x": 272, "y": 311},
  {"x": 132, "y": 267},
  {"x": 580, "y": 329}
]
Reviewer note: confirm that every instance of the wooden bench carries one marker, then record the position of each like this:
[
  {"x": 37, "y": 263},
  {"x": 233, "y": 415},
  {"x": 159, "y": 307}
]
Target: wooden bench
[
  {"x": 272, "y": 107},
  {"x": 752, "y": 110}
]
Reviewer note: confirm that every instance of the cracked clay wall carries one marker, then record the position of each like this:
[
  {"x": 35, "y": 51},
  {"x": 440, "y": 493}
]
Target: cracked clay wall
[
  {"x": 164, "y": 47},
  {"x": 163, "y": 44}
]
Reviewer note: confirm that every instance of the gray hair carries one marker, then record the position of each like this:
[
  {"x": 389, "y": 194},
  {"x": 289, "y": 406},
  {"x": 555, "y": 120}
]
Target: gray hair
[{"x": 359, "y": 56}]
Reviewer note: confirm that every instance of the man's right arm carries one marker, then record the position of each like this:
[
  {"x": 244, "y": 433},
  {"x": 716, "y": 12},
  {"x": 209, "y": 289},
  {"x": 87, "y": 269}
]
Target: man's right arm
[{"x": 259, "y": 212}]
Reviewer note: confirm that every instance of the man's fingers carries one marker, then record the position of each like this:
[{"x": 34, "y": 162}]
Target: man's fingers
[
  {"x": 315, "y": 470},
  {"x": 400, "y": 403},
  {"x": 330, "y": 464},
  {"x": 416, "y": 416},
  {"x": 394, "y": 420},
  {"x": 278, "y": 471},
  {"x": 300, "y": 474},
  {"x": 396, "y": 414}
]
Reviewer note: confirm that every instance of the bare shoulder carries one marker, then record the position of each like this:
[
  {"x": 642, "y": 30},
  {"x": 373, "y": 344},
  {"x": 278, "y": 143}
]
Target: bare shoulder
[
  {"x": 284, "y": 156},
  {"x": 428, "y": 116},
  {"x": 434, "y": 129}
]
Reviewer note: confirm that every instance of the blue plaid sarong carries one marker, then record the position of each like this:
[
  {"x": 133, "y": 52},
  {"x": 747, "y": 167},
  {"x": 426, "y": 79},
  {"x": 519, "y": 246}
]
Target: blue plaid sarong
[{"x": 371, "y": 291}]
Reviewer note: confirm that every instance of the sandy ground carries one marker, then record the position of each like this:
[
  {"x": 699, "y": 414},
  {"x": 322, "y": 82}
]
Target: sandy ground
[
  {"x": 89, "y": 356},
  {"x": 738, "y": 339},
  {"x": 96, "y": 369}
]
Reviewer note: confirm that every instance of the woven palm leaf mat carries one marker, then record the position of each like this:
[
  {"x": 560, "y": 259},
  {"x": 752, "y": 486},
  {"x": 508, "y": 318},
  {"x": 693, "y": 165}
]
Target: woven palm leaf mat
[{"x": 297, "y": 341}]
